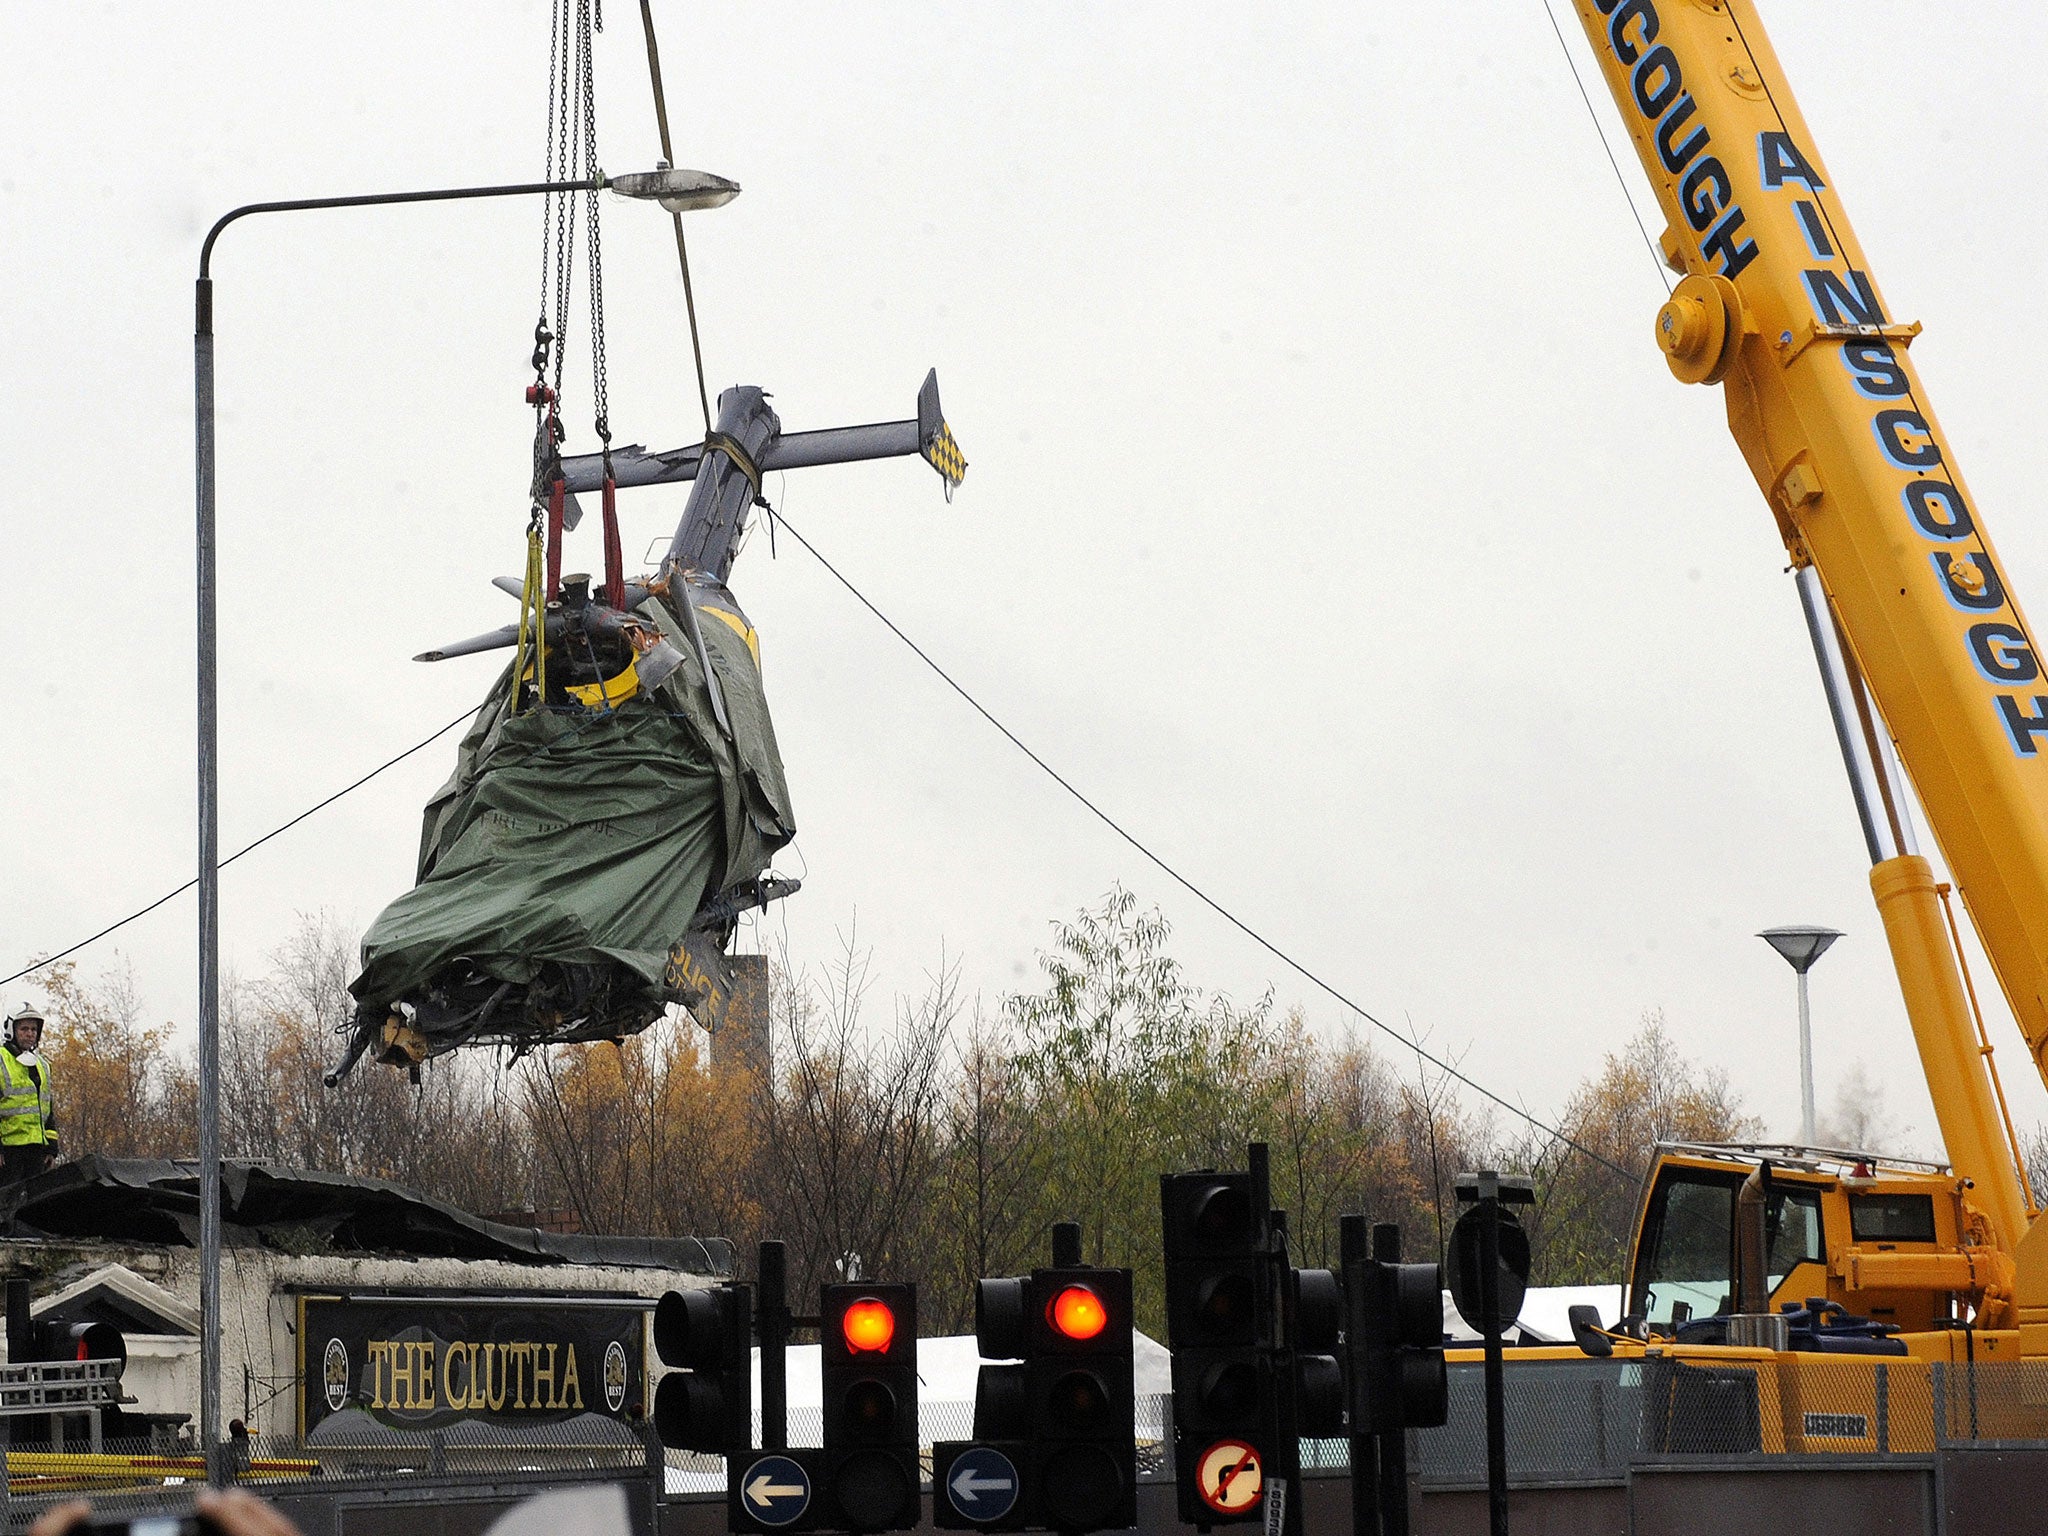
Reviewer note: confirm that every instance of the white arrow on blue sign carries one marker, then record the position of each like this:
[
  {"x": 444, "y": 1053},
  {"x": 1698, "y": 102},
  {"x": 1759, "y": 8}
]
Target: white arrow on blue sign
[
  {"x": 982, "y": 1484},
  {"x": 775, "y": 1490}
]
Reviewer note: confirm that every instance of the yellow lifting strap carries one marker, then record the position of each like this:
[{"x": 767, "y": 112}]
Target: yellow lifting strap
[
  {"x": 734, "y": 449},
  {"x": 533, "y": 621}
]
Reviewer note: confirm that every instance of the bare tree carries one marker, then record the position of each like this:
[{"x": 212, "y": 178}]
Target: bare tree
[
  {"x": 848, "y": 1136},
  {"x": 1588, "y": 1184},
  {"x": 279, "y": 1031},
  {"x": 984, "y": 1217},
  {"x": 1857, "y": 1119}
]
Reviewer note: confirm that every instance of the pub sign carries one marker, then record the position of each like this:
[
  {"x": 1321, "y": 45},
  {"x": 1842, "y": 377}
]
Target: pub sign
[{"x": 428, "y": 1362}]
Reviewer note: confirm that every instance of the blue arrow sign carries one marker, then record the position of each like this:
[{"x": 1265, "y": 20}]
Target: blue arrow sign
[
  {"x": 982, "y": 1483},
  {"x": 775, "y": 1490}
]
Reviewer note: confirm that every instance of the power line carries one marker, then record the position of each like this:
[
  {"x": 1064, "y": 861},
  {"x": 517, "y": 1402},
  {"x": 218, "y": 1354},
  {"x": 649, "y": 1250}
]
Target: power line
[
  {"x": 251, "y": 848},
  {"x": 1011, "y": 736},
  {"x": 1656, "y": 255},
  {"x": 1182, "y": 880}
]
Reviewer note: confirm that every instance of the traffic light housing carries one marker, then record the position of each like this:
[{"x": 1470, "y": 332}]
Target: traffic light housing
[
  {"x": 707, "y": 1403},
  {"x": 1054, "y": 1436},
  {"x": 1222, "y": 1325},
  {"x": 868, "y": 1366},
  {"x": 1084, "y": 1457},
  {"x": 61, "y": 1341},
  {"x": 79, "y": 1341},
  {"x": 1314, "y": 1326},
  {"x": 1061, "y": 1413},
  {"x": 1396, "y": 1333}
]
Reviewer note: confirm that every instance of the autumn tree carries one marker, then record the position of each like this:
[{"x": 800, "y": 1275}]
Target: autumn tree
[
  {"x": 280, "y": 1031},
  {"x": 1347, "y": 1135},
  {"x": 931, "y": 1140},
  {"x": 1128, "y": 1069},
  {"x": 1589, "y": 1181},
  {"x": 119, "y": 1086},
  {"x": 640, "y": 1137},
  {"x": 454, "y": 1134}
]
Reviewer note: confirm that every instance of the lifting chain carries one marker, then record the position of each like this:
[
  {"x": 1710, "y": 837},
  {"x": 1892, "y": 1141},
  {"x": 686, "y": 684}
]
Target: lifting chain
[{"x": 571, "y": 157}]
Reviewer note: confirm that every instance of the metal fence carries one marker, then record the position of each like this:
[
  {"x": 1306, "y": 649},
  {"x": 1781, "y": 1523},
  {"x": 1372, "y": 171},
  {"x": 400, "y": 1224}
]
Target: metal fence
[
  {"x": 136, "y": 1475},
  {"x": 1586, "y": 1421},
  {"x": 1569, "y": 1422}
]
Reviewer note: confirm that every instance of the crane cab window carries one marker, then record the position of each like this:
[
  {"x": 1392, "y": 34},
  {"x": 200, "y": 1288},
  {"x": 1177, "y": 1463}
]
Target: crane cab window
[
  {"x": 1792, "y": 1233},
  {"x": 1687, "y": 1247},
  {"x": 1891, "y": 1218},
  {"x": 1688, "y": 1250}
]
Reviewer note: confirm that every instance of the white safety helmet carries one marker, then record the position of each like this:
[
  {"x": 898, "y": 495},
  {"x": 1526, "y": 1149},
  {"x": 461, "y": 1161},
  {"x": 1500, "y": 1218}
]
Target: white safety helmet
[{"x": 27, "y": 1012}]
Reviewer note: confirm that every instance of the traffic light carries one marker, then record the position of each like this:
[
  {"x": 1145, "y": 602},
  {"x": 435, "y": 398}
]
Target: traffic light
[
  {"x": 1083, "y": 1458},
  {"x": 1222, "y": 1327},
  {"x": 1002, "y": 1399},
  {"x": 80, "y": 1341},
  {"x": 981, "y": 1484},
  {"x": 60, "y": 1342},
  {"x": 1315, "y": 1322},
  {"x": 708, "y": 1404},
  {"x": 1396, "y": 1332},
  {"x": 868, "y": 1364},
  {"x": 1054, "y": 1443}
]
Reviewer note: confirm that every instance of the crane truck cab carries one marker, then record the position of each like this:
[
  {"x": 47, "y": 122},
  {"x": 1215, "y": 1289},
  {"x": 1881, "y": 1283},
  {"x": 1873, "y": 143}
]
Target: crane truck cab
[
  {"x": 1791, "y": 1300},
  {"x": 1860, "y": 1252}
]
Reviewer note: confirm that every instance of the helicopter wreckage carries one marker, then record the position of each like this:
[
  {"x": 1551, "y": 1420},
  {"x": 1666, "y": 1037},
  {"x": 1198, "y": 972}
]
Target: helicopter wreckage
[{"x": 619, "y": 795}]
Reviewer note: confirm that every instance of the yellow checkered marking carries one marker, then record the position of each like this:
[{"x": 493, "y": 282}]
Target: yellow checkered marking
[{"x": 943, "y": 454}]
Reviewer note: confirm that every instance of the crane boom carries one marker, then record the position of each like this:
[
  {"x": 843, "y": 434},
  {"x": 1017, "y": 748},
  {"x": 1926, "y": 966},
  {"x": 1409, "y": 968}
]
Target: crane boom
[{"x": 1778, "y": 306}]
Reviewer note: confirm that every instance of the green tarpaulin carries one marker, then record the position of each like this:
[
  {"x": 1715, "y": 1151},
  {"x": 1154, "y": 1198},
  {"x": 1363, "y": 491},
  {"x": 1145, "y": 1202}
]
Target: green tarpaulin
[{"x": 589, "y": 837}]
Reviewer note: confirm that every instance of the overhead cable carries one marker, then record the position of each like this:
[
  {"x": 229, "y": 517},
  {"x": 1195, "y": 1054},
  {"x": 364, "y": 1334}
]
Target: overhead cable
[
  {"x": 1182, "y": 880},
  {"x": 250, "y": 848}
]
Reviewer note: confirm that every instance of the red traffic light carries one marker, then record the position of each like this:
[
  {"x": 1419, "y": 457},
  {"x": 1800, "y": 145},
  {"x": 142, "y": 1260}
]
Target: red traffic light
[
  {"x": 1077, "y": 1312},
  {"x": 868, "y": 1326}
]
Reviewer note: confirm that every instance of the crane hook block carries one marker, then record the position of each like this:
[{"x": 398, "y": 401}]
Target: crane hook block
[{"x": 1698, "y": 328}]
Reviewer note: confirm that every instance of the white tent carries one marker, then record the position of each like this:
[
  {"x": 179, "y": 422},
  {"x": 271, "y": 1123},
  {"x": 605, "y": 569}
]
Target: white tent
[
  {"x": 1544, "y": 1312},
  {"x": 947, "y": 1369}
]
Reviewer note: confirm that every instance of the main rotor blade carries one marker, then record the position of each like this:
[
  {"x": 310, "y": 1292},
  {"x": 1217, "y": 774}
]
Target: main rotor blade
[
  {"x": 512, "y": 586},
  {"x": 496, "y": 640}
]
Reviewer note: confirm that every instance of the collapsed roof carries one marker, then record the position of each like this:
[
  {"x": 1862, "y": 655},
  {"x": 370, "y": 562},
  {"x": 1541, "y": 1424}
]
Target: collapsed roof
[{"x": 290, "y": 1210}]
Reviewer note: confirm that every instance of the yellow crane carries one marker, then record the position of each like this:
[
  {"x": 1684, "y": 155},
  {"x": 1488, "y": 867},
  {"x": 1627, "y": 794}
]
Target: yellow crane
[{"x": 1885, "y": 1268}]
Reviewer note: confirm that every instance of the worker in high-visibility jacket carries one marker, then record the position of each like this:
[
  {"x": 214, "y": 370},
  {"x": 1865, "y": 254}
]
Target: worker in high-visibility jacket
[{"x": 28, "y": 1108}]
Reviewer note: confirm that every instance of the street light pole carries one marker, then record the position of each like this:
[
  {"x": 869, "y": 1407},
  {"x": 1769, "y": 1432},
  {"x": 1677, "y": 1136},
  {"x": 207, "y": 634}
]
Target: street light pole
[
  {"x": 209, "y": 889},
  {"x": 676, "y": 189},
  {"x": 1808, "y": 1133},
  {"x": 1800, "y": 947}
]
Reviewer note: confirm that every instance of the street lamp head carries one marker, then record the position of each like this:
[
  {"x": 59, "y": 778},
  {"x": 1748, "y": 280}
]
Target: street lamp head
[
  {"x": 1800, "y": 946},
  {"x": 676, "y": 189}
]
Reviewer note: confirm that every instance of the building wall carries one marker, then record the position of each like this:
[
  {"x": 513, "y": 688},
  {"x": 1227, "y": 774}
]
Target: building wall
[{"x": 259, "y": 1309}]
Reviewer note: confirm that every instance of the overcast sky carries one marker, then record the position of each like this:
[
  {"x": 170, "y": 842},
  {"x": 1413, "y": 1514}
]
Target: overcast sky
[{"x": 1332, "y": 521}]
